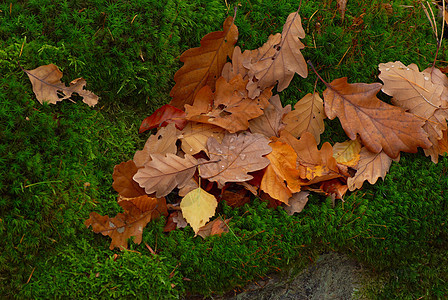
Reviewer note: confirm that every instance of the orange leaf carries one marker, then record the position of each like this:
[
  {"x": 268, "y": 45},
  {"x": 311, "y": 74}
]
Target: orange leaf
[
  {"x": 229, "y": 106},
  {"x": 282, "y": 177},
  {"x": 381, "y": 126},
  {"x": 203, "y": 65}
]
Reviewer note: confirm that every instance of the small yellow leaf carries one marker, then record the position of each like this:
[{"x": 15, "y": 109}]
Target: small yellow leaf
[
  {"x": 198, "y": 207},
  {"x": 347, "y": 153}
]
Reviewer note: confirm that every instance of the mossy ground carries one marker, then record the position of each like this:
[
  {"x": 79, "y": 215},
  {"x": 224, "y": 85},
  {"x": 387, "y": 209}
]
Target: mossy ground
[{"x": 56, "y": 161}]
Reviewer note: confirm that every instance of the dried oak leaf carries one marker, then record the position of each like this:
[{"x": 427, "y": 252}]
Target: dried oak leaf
[
  {"x": 237, "y": 155},
  {"x": 137, "y": 213},
  {"x": 198, "y": 207},
  {"x": 314, "y": 165},
  {"x": 195, "y": 135},
  {"x": 215, "y": 227},
  {"x": 235, "y": 67},
  {"x": 164, "y": 173},
  {"x": 381, "y": 126},
  {"x": 162, "y": 117},
  {"x": 203, "y": 65},
  {"x": 371, "y": 166},
  {"x": 47, "y": 86},
  {"x": 278, "y": 59},
  {"x": 282, "y": 178},
  {"x": 163, "y": 142},
  {"x": 229, "y": 107},
  {"x": 270, "y": 123},
  {"x": 421, "y": 93},
  {"x": 123, "y": 182},
  {"x": 308, "y": 115},
  {"x": 296, "y": 203}
]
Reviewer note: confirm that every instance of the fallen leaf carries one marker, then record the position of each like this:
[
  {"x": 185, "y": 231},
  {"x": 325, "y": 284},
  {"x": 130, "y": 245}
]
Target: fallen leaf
[
  {"x": 235, "y": 198},
  {"x": 165, "y": 172},
  {"x": 137, "y": 213},
  {"x": 198, "y": 207},
  {"x": 282, "y": 177},
  {"x": 195, "y": 135},
  {"x": 296, "y": 203},
  {"x": 203, "y": 65},
  {"x": 163, "y": 142},
  {"x": 334, "y": 188},
  {"x": 229, "y": 107},
  {"x": 47, "y": 86},
  {"x": 270, "y": 123},
  {"x": 123, "y": 182},
  {"x": 347, "y": 153},
  {"x": 381, "y": 126},
  {"x": 308, "y": 115},
  {"x": 371, "y": 166},
  {"x": 235, "y": 67},
  {"x": 278, "y": 59},
  {"x": 237, "y": 155},
  {"x": 162, "y": 117},
  {"x": 215, "y": 227}
]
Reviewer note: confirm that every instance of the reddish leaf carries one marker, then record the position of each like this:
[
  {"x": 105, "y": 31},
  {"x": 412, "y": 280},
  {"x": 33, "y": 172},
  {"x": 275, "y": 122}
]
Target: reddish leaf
[
  {"x": 162, "y": 116},
  {"x": 123, "y": 182}
]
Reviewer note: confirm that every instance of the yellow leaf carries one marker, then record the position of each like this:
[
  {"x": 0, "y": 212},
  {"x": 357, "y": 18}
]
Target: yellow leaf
[
  {"x": 198, "y": 207},
  {"x": 347, "y": 153}
]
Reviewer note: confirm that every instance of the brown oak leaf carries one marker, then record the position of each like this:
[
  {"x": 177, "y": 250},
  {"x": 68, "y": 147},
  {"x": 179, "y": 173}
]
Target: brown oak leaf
[
  {"x": 47, "y": 86},
  {"x": 381, "y": 126},
  {"x": 137, "y": 213},
  {"x": 123, "y": 182},
  {"x": 229, "y": 107},
  {"x": 237, "y": 155},
  {"x": 165, "y": 172},
  {"x": 270, "y": 123},
  {"x": 308, "y": 115},
  {"x": 203, "y": 65},
  {"x": 296, "y": 203},
  {"x": 371, "y": 166},
  {"x": 278, "y": 59},
  {"x": 163, "y": 142},
  {"x": 215, "y": 227}
]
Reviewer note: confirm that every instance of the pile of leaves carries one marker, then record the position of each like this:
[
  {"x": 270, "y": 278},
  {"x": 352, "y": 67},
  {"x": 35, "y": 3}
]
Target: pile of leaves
[{"x": 225, "y": 136}]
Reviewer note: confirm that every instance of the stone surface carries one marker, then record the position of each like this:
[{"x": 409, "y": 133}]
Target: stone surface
[{"x": 332, "y": 276}]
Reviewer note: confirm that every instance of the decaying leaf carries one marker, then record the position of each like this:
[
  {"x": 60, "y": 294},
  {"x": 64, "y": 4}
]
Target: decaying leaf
[
  {"x": 381, "y": 126},
  {"x": 296, "y": 203},
  {"x": 47, "y": 86},
  {"x": 229, "y": 107},
  {"x": 282, "y": 177},
  {"x": 163, "y": 142},
  {"x": 164, "y": 173},
  {"x": 421, "y": 93},
  {"x": 278, "y": 59},
  {"x": 203, "y": 65},
  {"x": 198, "y": 207},
  {"x": 341, "y": 7},
  {"x": 308, "y": 115},
  {"x": 195, "y": 135},
  {"x": 270, "y": 123},
  {"x": 137, "y": 213},
  {"x": 347, "y": 153},
  {"x": 123, "y": 182},
  {"x": 314, "y": 165},
  {"x": 237, "y": 155},
  {"x": 163, "y": 116},
  {"x": 215, "y": 227},
  {"x": 371, "y": 166}
]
